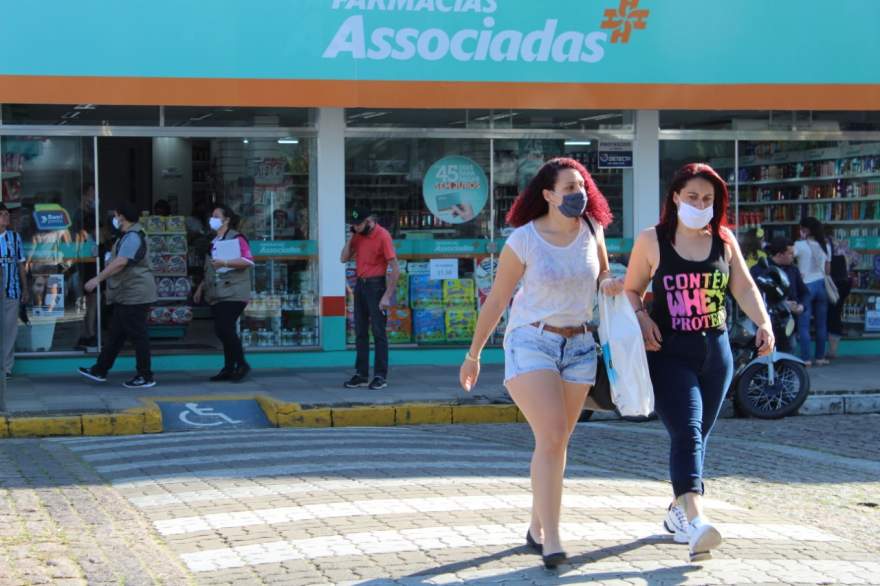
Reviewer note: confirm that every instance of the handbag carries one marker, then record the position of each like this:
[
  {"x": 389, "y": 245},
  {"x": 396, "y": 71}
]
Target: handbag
[
  {"x": 831, "y": 290},
  {"x": 599, "y": 398}
]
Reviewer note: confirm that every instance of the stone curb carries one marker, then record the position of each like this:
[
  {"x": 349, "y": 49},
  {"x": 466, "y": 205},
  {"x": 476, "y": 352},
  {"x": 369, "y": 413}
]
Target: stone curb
[{"x": 148, "y": 418}]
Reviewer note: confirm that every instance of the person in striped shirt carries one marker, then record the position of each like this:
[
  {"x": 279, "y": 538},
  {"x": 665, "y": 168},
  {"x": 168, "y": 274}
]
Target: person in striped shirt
[{"x": 14, "y": 291}]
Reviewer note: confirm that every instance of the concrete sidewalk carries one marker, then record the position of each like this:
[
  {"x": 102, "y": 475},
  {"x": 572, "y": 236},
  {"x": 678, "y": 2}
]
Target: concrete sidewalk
[{"x": 317, "y": 388}]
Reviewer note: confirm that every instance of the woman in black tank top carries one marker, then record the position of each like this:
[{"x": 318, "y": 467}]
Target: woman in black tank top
[
  {"x": 693, "y": 264},
  {"x": 690, "y": 295}
]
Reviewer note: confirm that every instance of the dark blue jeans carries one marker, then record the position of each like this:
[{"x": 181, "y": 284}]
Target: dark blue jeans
[
  {"x": 817, "y": 308},
  {"x": 367, "y": 317},
  {"x": 690, "y": 374}
]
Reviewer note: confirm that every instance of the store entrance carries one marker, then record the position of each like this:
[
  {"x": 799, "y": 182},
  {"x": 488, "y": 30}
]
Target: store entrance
[{"x": 167, "y": 179}]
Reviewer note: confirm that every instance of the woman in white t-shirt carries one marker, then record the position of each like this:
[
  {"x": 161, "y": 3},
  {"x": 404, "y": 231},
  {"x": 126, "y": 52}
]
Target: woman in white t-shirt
[
  {"x": 814, "y": 261},
  {"x": 558, "y": 253}
]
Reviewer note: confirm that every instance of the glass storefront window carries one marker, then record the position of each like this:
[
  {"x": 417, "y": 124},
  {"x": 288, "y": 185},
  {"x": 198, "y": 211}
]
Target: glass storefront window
[
  {"x": 270, "y": 183},
  {"x": 433, "y": 196},
  {"x": 564, "y": 119},
  {"x": 79, "y": 115},
  {"x": 239, "y": 117},
  {"x": 838, "y": 183},
  {"x": 48, "y": 187},
  {"x": 781, "y": 120},
  {"x": 517, "y": 161},
  {"x": 416, "y": 118}
]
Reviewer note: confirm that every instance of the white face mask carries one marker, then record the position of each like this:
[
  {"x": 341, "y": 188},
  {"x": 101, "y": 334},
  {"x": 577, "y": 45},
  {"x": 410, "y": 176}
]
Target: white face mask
[
  {"x": 215, "y": 223},
  {"x": 116, "y": 223},
  {"x": 695, "y": 218}
]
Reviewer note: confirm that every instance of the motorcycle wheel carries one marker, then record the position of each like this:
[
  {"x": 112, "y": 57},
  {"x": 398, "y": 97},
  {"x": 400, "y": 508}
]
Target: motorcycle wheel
[{"x": 756, "y": 398}]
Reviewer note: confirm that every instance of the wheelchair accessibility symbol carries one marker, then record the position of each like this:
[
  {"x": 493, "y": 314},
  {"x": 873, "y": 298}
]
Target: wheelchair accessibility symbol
[
  {"x": 205, "y": 416},
  {"x": 210, "y": 414}
]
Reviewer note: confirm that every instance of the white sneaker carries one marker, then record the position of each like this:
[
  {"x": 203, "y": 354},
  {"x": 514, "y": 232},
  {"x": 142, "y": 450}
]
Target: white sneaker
[
  {"x": 676, "y": 522},
  {"x": 702, "y": 539}
]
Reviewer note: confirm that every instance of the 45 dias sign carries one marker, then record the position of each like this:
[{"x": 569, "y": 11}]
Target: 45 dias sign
[{"x": 455, "y": 189}]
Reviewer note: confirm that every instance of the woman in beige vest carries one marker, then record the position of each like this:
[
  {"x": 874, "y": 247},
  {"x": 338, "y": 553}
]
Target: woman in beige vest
[{"x": 227, "y": 289}]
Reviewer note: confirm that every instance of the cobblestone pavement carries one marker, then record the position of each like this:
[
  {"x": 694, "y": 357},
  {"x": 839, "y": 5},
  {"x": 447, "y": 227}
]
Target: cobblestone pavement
[{"x": 433, "y": 505}]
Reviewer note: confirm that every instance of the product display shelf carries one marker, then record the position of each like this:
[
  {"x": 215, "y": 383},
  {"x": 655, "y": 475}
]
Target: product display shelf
[
  {"x": 169, "y": 317},
  {"x": 809, "y": 201},
  {"x": 841, "y": 222},
  {"x": 806, "y": 179},
  {"x": 839, "y": 185}
]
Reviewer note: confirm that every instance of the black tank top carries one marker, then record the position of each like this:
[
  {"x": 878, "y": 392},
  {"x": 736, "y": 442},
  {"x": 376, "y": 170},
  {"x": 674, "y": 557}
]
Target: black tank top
[{"x": 690, "y": 296}]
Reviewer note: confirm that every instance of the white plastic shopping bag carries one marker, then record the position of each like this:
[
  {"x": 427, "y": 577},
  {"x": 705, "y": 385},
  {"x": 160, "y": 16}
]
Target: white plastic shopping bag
[{"x": 623, "y": 351}]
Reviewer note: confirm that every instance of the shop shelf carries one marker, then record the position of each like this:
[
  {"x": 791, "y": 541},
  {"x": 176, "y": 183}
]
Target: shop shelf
[
  {"x": 10, "y": 174},
  {"x": 866, "y": 291},
  {"x": 789, "y": 180},
  {"x": 810, "y": 201},
  {"x": 841, "y": 222}
]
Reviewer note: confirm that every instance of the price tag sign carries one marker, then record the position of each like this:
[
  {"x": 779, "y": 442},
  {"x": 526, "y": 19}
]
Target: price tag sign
[{"x": 444, "y": 268}]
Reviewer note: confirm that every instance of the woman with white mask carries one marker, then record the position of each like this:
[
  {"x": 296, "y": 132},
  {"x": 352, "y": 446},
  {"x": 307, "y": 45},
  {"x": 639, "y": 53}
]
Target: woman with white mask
[
  {"x": 227, "y": 289},
  {"x": 693, "y": 263}
]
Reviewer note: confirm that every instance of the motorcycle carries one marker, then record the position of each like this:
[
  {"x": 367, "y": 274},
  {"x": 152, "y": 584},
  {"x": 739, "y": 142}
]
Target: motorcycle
[{"x": 776, "y": 385}]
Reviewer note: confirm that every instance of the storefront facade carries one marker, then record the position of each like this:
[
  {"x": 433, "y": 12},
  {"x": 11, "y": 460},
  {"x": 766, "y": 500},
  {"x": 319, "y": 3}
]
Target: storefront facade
[{"x": 368, "y": 116}]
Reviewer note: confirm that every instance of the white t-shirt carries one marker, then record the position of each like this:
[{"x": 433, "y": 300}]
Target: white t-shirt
[
  {"x": 811, "y": 259},
  {"x": 559, "y": 282}
]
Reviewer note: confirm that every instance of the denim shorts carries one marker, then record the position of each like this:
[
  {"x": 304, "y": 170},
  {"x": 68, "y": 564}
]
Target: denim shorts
[{"x": 527, "y": 349}]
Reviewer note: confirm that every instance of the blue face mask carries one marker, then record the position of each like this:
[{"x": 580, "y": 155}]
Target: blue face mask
[{"x": 573, "y": 204}]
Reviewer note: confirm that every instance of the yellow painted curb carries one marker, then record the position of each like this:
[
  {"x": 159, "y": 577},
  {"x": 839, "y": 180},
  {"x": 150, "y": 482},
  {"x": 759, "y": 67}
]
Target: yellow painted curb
[
  {"x": 304, "y": 418},
  {"x": 45, "y": 426},
  {"x": 484, "y": 414},
  {"x": 127, "y": 423},
  {"x": 269, "y": 407},
  {"x": 422, "y": 414},
  {"x": 363, "y": 416},
  {"x": 4, "y": 428},
  {"x": 151, "y": 414}
]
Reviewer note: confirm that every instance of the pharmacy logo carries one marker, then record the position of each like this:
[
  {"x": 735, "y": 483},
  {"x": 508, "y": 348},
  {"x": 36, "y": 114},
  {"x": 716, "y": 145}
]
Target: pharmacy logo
[
  {"x": 624, "y": 19},
  {"x": 364, "y": 36}
]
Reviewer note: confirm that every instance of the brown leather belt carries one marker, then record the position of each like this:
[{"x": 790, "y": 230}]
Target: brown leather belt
[{"x": 565, "y": 332}]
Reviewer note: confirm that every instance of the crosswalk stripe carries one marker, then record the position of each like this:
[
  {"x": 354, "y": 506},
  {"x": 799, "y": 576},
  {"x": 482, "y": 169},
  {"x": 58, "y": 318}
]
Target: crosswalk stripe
[
  {"x": 367, "y": 452},
  {"x": 80, "y": 444},
  {"x": 747, "y": 571},
  {"x": 449, "y": 537},
  {"x": 280, "y": 489},
  {"x": 386, "y": 507},
  {"x": 292, "y": 443},
  {"x": 865, "y": 465},
  {"x": 449, "y": 467}
]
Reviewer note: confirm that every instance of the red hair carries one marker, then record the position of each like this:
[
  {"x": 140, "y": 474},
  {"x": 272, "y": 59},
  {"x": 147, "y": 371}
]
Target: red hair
[
  {"x": 530, "y": 204},
  {"x": 669, "y": 216}
]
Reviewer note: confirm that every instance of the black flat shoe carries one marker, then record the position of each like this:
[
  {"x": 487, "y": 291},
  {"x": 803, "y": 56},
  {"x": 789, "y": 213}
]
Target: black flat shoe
[
  {"x": 240, "y": 372},
  {"x": 532, "y": 544},
  {"x": 552, "y": 561},
  {"x": 224, "y": 374}
]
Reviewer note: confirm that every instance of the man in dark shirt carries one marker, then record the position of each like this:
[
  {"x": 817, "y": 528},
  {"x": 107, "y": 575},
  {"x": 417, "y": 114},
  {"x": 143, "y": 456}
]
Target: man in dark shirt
[{"x": 781, "y": 254}]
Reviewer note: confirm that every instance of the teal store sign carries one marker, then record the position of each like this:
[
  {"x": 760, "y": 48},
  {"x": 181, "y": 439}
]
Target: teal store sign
[
  {"x": 455, "y": 189},
  {"x": 566, "y": 41}
]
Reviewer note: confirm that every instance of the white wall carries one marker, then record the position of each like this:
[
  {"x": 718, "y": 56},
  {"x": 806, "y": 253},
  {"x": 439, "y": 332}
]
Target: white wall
[
  {"x": 645, "y": 209},
  {"x": 331, "y": 200}
]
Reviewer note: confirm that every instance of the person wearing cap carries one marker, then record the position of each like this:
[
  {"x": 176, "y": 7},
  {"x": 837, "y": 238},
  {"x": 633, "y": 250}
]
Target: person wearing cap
[
  {"x": 371, "y": 247},
  {"x": 14, "y": 292},
  {"x": 131, "y": 288}
]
